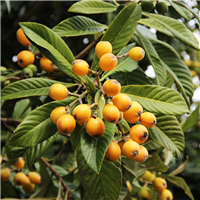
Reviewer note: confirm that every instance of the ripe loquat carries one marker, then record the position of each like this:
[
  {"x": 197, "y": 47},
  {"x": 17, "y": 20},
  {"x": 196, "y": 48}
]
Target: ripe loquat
[
  {"x": 165, "y": 195},
  {"x": 80, "y": 67},
  {"x": 20, "y": 178},
  {"x": 131, "y": 149},
  {"x": 34, "y": 177},
  {"x": 133, "y": 114},
  {"x": 47, "y": 65},
  {"x": 148, "y": 177},
  {"x": 136, "y": 53},
  {"x": 102, "y": 48},
  {"x": 147, "y": 119},
  {"x": 58, "y": 91},
  {"x": 56, "y": 113},
  {"x": 159, "y": 184},
  {"x": 121, "y": 144},
  {"x": 143, "y": 155},
  {"x": 139, "y": 133},
  {"x": 111, "y": 113},
  {"x": 66, "y": 124},
  {"x": 21, "y": 37},
  {"x": 113, "y": 152},
  {"x": 5, "y": 174},
  {"x": 19, "y": 164},
  {"x": 25, "y": 58},
  {"x": 145, "y": 193},
  {"x": 122, "y": 101},
  {"x": 95, "y": 127},
  {"x": 28, "y": 187},
  {"x": 82, "y": 113},
  {"x": 121, "y": 116},
  {"x": 111, "y": 87},
  {"x": 108, "y": 62}
]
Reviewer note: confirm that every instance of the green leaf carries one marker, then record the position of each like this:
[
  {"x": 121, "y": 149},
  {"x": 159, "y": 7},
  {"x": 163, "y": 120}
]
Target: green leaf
[
  {"x": 90, "y": 86},
  {"x": 180, "y": 182},
  {"x": 125, "y": 65},
  {"x": 100, "y": 105},
  {"x": 191, "y": 120},
  {"x": 153, "y": 57},
  {"x": 92, "y": 7},
  {"x": 51, "y": 45},
  {"x": 33, "y": 154},
  {"x": 37, "y": 126},
  {"x": 168, "y": 134},
  {"x": 78, "y": 25},
  {"x": 94, "y": 149},
  {"x": 178, "y": 29},
  {"x": 157, "y": 99},
  {"x": 151, "y": 145},
  {"x": 105, "y": 185},
  {"x": 29, "y": 87},
  {"x": 120, "y": 30}
]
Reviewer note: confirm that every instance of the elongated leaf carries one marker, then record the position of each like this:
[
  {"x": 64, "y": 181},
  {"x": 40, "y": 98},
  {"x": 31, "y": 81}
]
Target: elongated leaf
[
  {"x": 33, "y": 154},
  {"x": 105, "y": 185},
  {"x": 92, "y": 7},
  {"x": 180, "y": 182},
  {"x": 157, "y": 99},
  {"x": 51, "y": 45},
  {"x": 168, "y": 134},
  {"x": 94, "y": 149},
  {"x": 177, "y": 28},
  {"x": 78, "y": 25},
  {"x": 101, "y": 102},
  {"x": 151, "y": 145},
  {"x": 125, "y": 64},
  {"x": 121, "y": 30},
  {"x": 29, "y": 87},
  {"x": 154, "y": 58}
]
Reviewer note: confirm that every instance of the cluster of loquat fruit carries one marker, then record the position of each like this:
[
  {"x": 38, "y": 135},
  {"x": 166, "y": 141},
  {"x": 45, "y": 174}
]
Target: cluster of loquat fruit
[
  {"x": 118, "y": 106},
  {"x": 27, "y": 181}
]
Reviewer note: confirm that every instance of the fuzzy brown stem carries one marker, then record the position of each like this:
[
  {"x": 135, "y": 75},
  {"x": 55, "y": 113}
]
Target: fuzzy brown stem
[
  {"x": 122, "y": 56},
  {"x": 10, "y": 120}
]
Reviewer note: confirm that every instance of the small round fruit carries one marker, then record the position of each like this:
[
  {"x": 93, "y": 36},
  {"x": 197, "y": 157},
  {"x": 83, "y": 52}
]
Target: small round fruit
[
  {"x": 102, "y": 48},
  {"x": 28, "y": 187},
  {"x": 136, "y": 53},
  {"x": 113, "y": 152},
  {"x": 80, "y": 67},
  {"x": 133, "y": 114},
  {"x": 21, "y": 37},
  {"x": 111, "y": 113},
  {"x": 193, "y": 73},
  {"x": 111, "y": 87},
  {"x": 147, "y": 5},
  {"x": 56, "y": 113},
  {"x": 165, "y": 195},
  {"x": 161, "y": 8},
  {"x": 148, "y": 177},
  {"x": 47, "y": 65},
  {"x": 139, "y": 133},
  {"x": 147, "y": 119},
  {"x": 122, "y": 102},
  {"x": 3, "y": 69},
  {"x": 20, "y": 178},
  {"x": 145, "y": 193},
  {"x": 33, "y": 68},
  {"x": 66, "y": 124},
  {"x": 121, "y": 116},
  {"x": 121, "y": 144},
  {"x": 82, "y": 113},
  {"x": 95, "y": 127},
  {"x": 159, "y": 184},
  {"x": 131, "y": 149},
  {"x": 108, "y": 62},
  {"x": 27, "y": 72},
  {"x": 187, "y": 62},
  {"x": 34, "y": 177},
  {"x": 58, "y": 91},
  {"x": 3, "y": 79},
  {"x": 143, "y": 155},
  {"x": 25, "y": 58},
  {"x": 5, "y": 174},
  {"x": 6, "y": 83},
  {"x": 19, "y": 164}
]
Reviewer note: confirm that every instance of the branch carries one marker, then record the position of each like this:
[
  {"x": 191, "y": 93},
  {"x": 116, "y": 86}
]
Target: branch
[{"x": 10, "y": 120}]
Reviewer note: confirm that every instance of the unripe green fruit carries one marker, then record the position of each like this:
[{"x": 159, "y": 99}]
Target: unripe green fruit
[
  {"x": 161, "y": 8},
  {"x": 6, "y": 83},
  {"x": 145, "y": 193},
  {"x": 27, "y": 72},
  {"x": 147, "y": 5},
  {"x": 33, "y": 68},
  {"x": 3, "y": 79},
  {"x": 3, "y": 69}
]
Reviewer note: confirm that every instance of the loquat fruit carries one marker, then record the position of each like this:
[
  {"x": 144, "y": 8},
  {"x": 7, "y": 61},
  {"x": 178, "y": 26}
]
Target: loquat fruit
[
  {"x": 27, "y": 72},
  {"x": 56, "y": 113},
  {"x": 133, "y": 114},
  {"x": 148, "y": 177},
  {"x": 113, "y": 152},
  {"x": 19, "y": 164},
  {"x": 20, "y": 178},
  {"x": 33, "y": 68},
  {"x": 147, "y": 119},
  {"x": 102, "y": 48},
  {"x": 66, "y": 124},
  {"x": 145, "y": 193},
  {"x": 95, "y": 127},
  {"x": 58, "y": 91},
  {"x": 139, "y": 133},
  {"x": 111, "y": 113},
  {"x": 1, "y": 158},
  {"x": 159, "y": 184},
  {"x": 3, "y": 79},
  {"x": 165, "y": 195},
  {"x": 28, "y": 187},
  {"x": 147, "y": 5},
  {"x": 111, "y": 87},
  {"x": 25, "y": 58},
  {"x": 161, "y": 7},
  {"x": 122, "y": 102},
  {"x": 121, "y": 144},
  {"x": 47, "y": 65},
  {"x": 21, "y": 37},
  {"x": 108, "y": 62},
  {"x": 131, "y": 149},
  {"x": 121, "y": 116},
  {"x": 136, "y": 53},
  {"x": 82, "y": 113},
  {"x": 34, "y": 178},
  {"x": 5, "y": 174},
  {"x": 143, "y": 155},
  {"x": 80, "y": 67}
]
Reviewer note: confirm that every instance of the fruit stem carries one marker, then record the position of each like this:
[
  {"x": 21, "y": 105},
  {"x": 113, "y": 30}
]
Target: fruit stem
[
  {"x": 122, "y": 56},
  {"x": 73, "y": 94}
]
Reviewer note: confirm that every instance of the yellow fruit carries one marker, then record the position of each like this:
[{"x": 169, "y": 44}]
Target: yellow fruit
[
  {"x": 193, "y": 73},
  {"x": 145, "y": 193},
  {"x": 108, "y": 62},
  {"x": 25, "y": 58},
  {"x": 196, "y": 64},
  {"x": 20, "y": 178},
  {"x": 56, "y": 113},
  {"x": 159, "y": 184},
  {"x": 148, "y": 177},
  {"x": 147, "y": 119},
  {"x": 28, "y": 187},
  {"x": 143, "y": 155},
  {"x": 102, "y": 48},
  {"x": 121, "y": 114},
  {"x": 21, "y": 37},
  {"x": 47, "y": 65},
  {"x": 165, "y": 195},
  {"x": 111, "y": 87},
  {"x": 131, "y": 149},
  {"x": 1, "y": 159},
  {"x": 113, "y": 152},
  {"x": 58, "y": 91},
  {"x": 111, "y": 113},
  {"x": 187, "y": 62},
  {"x": 19, "y": 164},
  {"x": 80, "y": 67},
  {"x": 34, "y": 177},
  {"x": 136, "y": 53},
  {"x": 122, "y": 101},
  {"x": 5, "y": 174}
]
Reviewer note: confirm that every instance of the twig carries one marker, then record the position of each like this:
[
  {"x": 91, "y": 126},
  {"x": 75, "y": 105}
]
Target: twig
[
  {"x": 13, "y": 78},
  {"x": 8, "y": 127},
  {"x": 10, "y": 120},
  {"x": 122, "y": 56}
]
